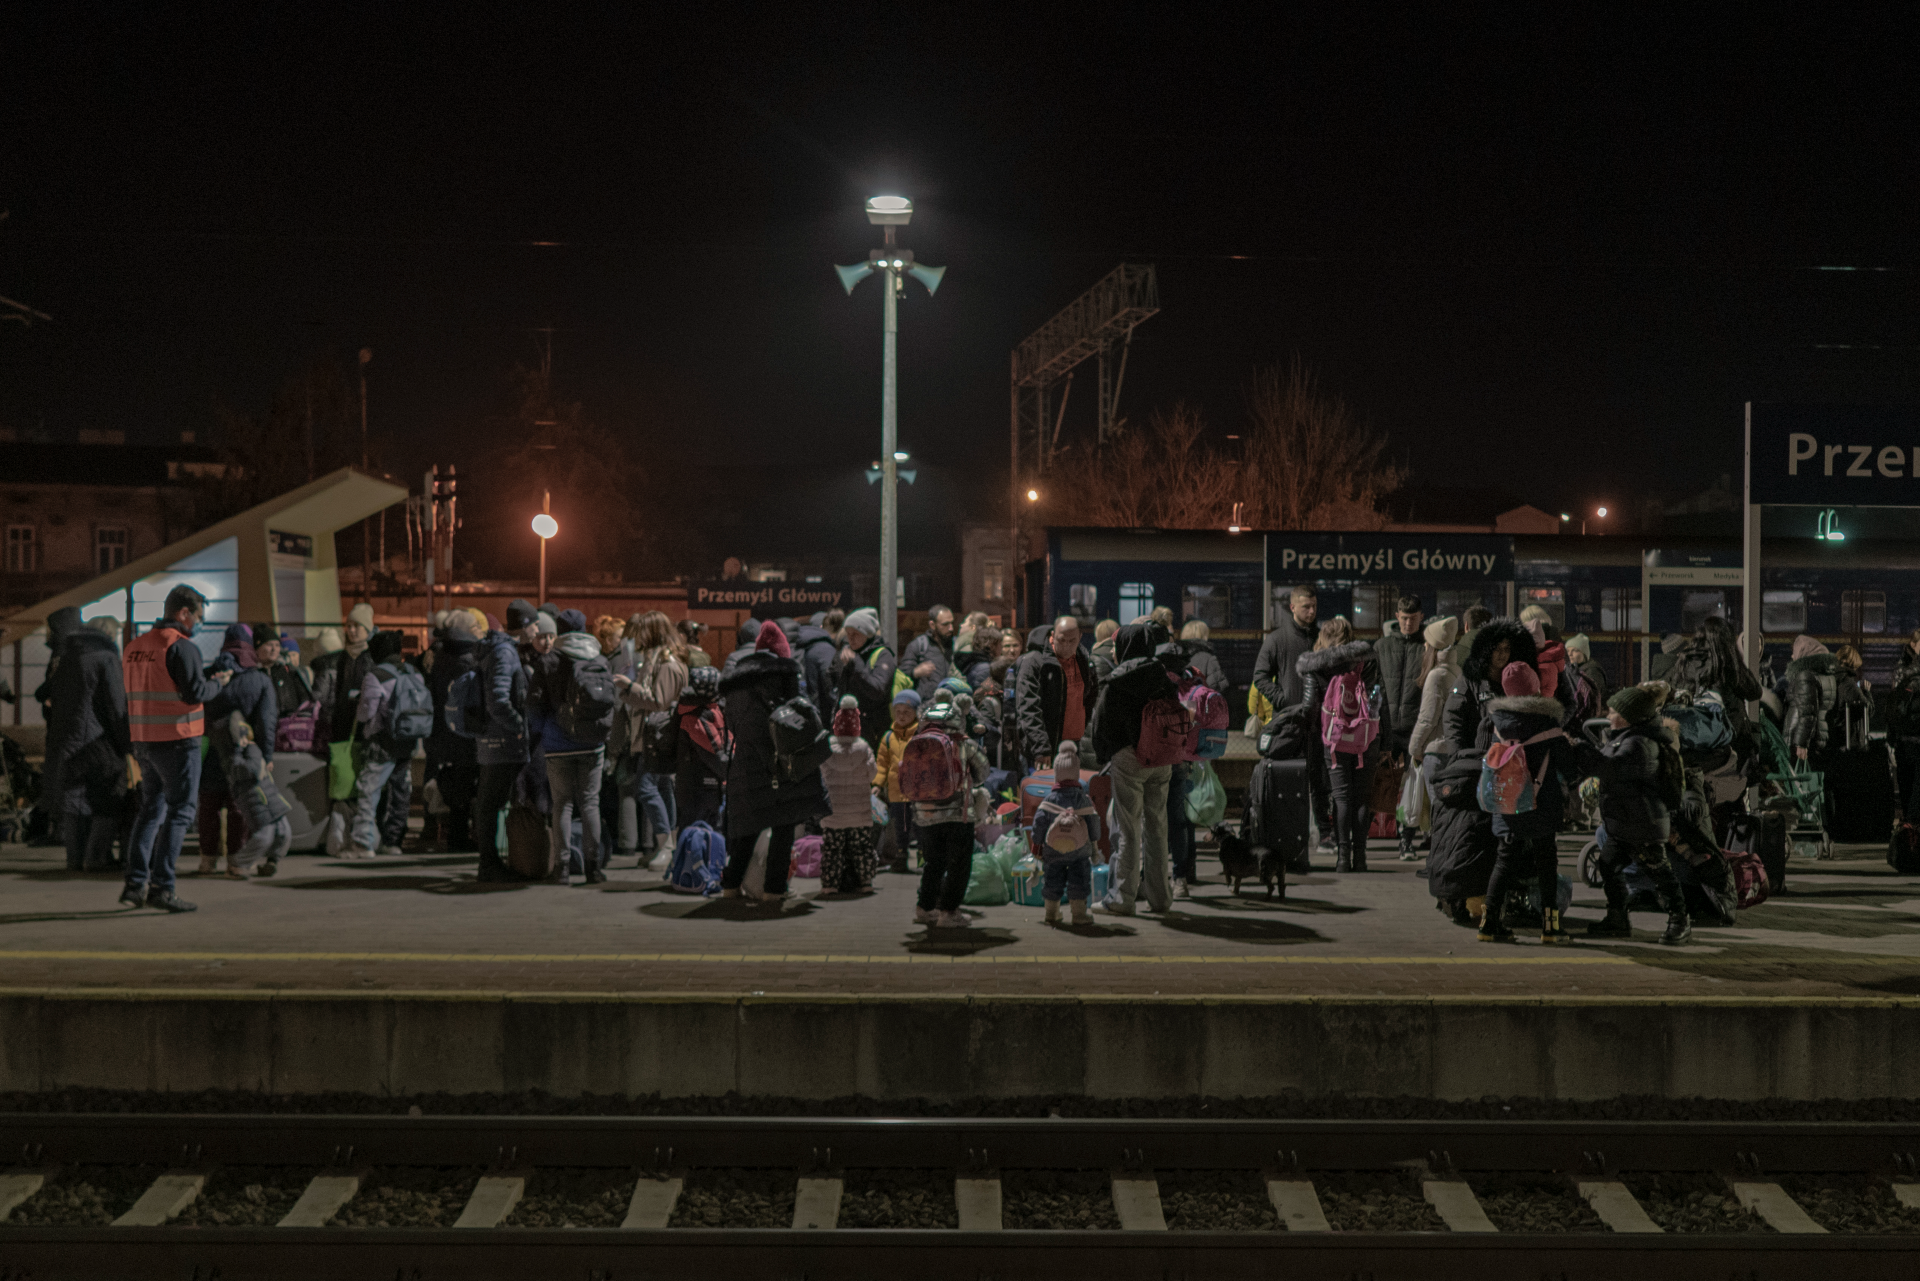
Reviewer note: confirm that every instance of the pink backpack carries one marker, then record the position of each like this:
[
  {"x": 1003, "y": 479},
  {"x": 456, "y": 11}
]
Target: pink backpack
[
  {"x": 298, "y": 728},
  {"x": 1749, "y": 878},
  {"x": 1506, "y": 785},
  {"x": 1207, "y": 740},
  {"x": 930, "y": 768},
  {"x": 1347, "y": 722},
  {"x": 1165, "y": 727}
]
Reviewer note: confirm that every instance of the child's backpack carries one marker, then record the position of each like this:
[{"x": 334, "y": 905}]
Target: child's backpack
[
  {"x": 1347, "y": 720},
  {"x": 585, "y": 709},
  {"x": 1165, "y": 728},
  {"x": 1506, "y": 785},
  {"x": 466, "y": 711},
  {"x": 1067, "y": 829},
  {"x": 298, "y": 729},
  {"x": 1207, "y": 740},
  {"x": 699, "y": 856},
  {"x": 704, "y": 727},
  {"x": 801, "y": 744},
  {"x": 930, "y": 768},
  {"x": 410, "y": 709}
]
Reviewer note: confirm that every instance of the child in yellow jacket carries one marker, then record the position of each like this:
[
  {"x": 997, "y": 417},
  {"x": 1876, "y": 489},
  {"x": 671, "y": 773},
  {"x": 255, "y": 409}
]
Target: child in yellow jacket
[{"x": 886, "y": 773}]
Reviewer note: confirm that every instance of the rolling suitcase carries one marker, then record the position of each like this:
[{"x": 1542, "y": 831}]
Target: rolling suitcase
[
  {"x": 529, "y": 851},
  {"x": 1859, "y": 794},
  {"x": 1276, "y": 821}
]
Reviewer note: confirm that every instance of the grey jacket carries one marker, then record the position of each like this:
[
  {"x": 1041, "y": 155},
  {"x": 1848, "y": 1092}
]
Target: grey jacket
[{"x": 1276, "y": 672}]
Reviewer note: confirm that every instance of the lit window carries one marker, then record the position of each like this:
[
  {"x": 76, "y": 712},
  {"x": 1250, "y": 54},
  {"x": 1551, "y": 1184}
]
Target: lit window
[
  {"x": 1863, "y": 613},
  {"x": 1783, "y": 613},
  {"x": 1206, "y": 602},
  {"x": 109, "y": 550},
  {"x": 1136, "y": 602},
  {"x": 23, "y": 550},
  {"x": 1620, "y": 609},
  {"x": 993, "y": 582},
  {"x": 1372, "y": 606}
]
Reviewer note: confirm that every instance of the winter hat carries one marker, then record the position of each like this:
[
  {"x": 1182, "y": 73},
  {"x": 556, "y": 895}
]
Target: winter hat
[
  {"x": 908, "y": 697},
  {"x": 1442, "y": 632},
  {"x": 519, "y": 614},
  {"x": 239, "y": 643},
  {"x": 330, "y": 642},
  {"x": 816, "y": 620},
  {"x": 544, "y": 624},
  {"x": 1805, "y": 646},
  {"x": 772, "y": 640},
  {"x": 385, "y": 645},
  {"x": 1636, "y": 703},
  {"x": 1578, "y": 641},
  {"x": 571, "y": 620},
  {"x": 1066, "y": 765},
  {"x": 864, "y": 621},
  {"x": 439, "y": 620},
  {"x": 361, "y": 614},
  {"x": 846, "y": 721},
  {"x": 264, "y": 632},
  {"x": 550, "y": 609},
  {"x": 460, "y": 625},
  {"x": 492, "y": 624},
  {"x": 1517, "y": 680}
]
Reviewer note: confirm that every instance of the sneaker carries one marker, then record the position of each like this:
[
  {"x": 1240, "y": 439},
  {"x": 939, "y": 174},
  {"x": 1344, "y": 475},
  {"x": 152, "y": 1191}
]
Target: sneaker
[
  {"x": 1180, "y": 889},
  {"x": 208, "y": 866},
  {"x": 266, "y": 869},
  {"x": 170, "y": 902},
  {"x": 134, "y": 896},
  {"x": 925, "y": 916},
  {"x": 1410, "y": 855},
  {"x": 355, "y": 852},
  {"x": 1116, "y": 909},
  {"x": 953, "y": 921},
  {"x": 389, "y": 851}
]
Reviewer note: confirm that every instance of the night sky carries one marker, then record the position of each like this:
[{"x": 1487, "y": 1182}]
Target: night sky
[{"x": 1546, "y": 253}]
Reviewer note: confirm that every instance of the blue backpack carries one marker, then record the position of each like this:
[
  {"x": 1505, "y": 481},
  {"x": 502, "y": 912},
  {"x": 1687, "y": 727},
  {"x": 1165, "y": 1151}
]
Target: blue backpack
[
  {"x": 466, "y": 710},
  {"x": 698, "y": 859},
  {"x": 1704, "y": 730}
]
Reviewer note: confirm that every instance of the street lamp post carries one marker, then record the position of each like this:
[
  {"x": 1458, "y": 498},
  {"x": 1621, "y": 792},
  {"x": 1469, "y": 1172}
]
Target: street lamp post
[
  {"x": 893, "y": 265},
  {"x": 545, "y": 526}
]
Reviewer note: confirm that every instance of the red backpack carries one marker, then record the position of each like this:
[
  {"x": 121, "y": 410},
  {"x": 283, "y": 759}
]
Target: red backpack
[
  {"x": 705, "y": 726},
  {"x": 930, "y": 768},
  {"x": 1165, "y": 728}
]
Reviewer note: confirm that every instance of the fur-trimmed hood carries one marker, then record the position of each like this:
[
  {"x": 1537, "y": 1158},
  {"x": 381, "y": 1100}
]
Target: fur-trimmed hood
[
  {"x": 1520, "y": 643},
  {"x": 1530, "y": 705},
  {"x": 1338, "y": 659}
]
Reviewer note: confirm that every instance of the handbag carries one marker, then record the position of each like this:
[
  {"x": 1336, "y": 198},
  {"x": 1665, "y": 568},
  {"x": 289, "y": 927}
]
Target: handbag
[{"x": 343, "y": 765}]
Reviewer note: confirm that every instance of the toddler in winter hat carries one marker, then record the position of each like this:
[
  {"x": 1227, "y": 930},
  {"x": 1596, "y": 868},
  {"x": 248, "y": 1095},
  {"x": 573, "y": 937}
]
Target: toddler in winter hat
[
  {"x": 846, "y": 720},
  {"x": 1066, "y": 765}
]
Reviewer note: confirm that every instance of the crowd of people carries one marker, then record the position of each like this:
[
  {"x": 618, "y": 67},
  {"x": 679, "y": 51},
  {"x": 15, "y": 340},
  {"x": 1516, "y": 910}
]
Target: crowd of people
[{"x": 555, "y": 744}]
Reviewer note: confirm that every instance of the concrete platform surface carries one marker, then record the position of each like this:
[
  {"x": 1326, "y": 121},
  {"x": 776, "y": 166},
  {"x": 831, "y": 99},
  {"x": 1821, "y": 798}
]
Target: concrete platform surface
[{"x": 420, "y": 923}]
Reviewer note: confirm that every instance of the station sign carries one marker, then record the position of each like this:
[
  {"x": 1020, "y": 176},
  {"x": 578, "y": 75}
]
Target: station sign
[
  {"x": 770, "y": 600},
  {"x": 1834, "y": 455},
  {"x": 1720, "y": 568},
  {"x": 1389, "y": 558}
]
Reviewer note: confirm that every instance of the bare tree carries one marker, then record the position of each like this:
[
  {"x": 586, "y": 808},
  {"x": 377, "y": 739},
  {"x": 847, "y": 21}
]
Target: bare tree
[
  {"x": 1164, "y": 476},
  {"x": 1310, "y": 463}
]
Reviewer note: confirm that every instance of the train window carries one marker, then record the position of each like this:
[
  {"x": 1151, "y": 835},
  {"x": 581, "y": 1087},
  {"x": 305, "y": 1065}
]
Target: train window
[
  {"x": 1620, "y": 609},
  {"x": 1551, "y": 599},
  {"x": 1783, "y": 613},
  {"x": 1863, "y": 613},
  {"x": 1372, "y": 607},
  {"x": 1083, "y": 601},
  {"x": 1136, "y": 601},
  {"x": 1206, "y": 602},
  {"x": 1454, "y": 602},
  {"x": 1695, "y": 607}
]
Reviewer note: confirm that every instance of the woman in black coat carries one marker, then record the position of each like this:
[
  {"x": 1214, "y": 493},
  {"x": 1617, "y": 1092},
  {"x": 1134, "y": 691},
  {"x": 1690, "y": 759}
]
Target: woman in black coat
[
  {"x": 756, "y": 800},
  {"x": 1349, "y": 778},
  {"x": 87, "y": 747},
  {"x": 1502, "y": 641}
]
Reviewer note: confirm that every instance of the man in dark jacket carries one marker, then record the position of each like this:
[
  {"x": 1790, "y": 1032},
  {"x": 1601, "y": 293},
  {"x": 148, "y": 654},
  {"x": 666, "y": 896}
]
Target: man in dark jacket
[
  {"x": 1056, "y": 695},
  {"x": 87, "y": 748},
  {"x": 501, "y": 747},
  {"x": 928, "y": 657},
  {"x": 744, "y": 636},
  {"x": 1398, "y": 652},
  {"x": 451, "y": 762},
  {"x": 813, "y": 649},
  {"x": 865, "y": 670},
  {"x": 1275, "y": 672},
  {"x": 1144, "y": 859}
]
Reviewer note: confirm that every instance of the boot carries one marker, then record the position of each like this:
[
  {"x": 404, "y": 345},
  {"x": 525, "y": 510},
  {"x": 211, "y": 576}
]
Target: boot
[
  {"x": 1341, "y": 863},
  {"x": 1053, "y": 911},
  {"x": 1081, "y": 916},
  {"x": 1614, "y": 925},
  {"x": 1357, "y": 861},
  {"x": 1679, "y": 925},
  {"x": 1551, "y": 930},
  {"x": 1491, "y": 930},
  {"x": 1407, "y": 853}
]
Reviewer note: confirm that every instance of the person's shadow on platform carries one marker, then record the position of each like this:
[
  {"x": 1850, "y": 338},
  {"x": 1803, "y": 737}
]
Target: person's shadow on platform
[
  {"x": 729, "y": 909},
  {"x": 969, "y": 942},
  {"x": 1242, "y": 929}
]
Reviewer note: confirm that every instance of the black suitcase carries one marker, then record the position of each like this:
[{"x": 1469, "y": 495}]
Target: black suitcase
[
  {"x": 1859, "y": 794},
  {"x": 1277, "y": 825}
]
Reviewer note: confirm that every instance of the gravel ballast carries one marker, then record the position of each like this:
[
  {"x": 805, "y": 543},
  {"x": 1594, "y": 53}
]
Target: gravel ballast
[
  {"x": 246, "y": 1196},
  {"x": 1851, "y": 1203},
  {"x": 1216, "y": 1201},
  {"x": 1692, "y": 1203},
  {"x": 1057, "y": 1199},
  {"x": 1534, "y": 1203},
  {"x": 91, "y": 1196},
  {"x": 583, "y": 1198},
  {"x": 1375, "y": 1201},
  {"x": 736, "y": 1199},
  {"x": 898, "y": 1199},
  {"x": 430, "y": 1197}
]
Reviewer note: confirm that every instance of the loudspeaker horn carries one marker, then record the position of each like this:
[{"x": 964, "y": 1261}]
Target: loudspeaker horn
[
  {"x": 928, "y": 276},
  {"x": 851, "y": 276}
]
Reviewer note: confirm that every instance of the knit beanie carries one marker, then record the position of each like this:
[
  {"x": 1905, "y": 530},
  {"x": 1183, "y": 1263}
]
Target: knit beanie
[
  {"x": 772, "y": 640},
  {"x": 1442, "y": 632},
  {"x": 519, "y": 614},
  {"x": 571, "y": 620},
  {"x": 544, "y": 624},
  {"x": 1635, "y": 703},
  {"x": 1519, "y": 680},
  {"x": 264, "y": 632},
  {"x": 288, "y": 644},
  {"x": 1066, "y": 765},
  {"x": 330, "y": 642},
  {"x": 361, "y": 614},
  {"x": 846, "y": 721},
  {"x": 907, "y": 696},
  {"x": 864, "y": 621},
  {"x": 1579, "y": 642}
]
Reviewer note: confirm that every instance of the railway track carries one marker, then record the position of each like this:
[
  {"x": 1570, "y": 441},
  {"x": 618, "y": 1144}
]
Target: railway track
[{"x": 414, "y": 1198}]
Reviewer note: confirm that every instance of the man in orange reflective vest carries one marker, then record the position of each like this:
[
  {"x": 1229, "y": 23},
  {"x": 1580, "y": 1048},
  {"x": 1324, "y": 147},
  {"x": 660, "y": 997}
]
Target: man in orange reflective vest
[{"x": 166, "y": 688}]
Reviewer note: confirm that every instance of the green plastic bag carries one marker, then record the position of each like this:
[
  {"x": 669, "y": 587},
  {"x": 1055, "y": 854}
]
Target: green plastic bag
[
  {"x": 1206, "y": 799},
  {"x": 987, "y": 882},
  {"x": 343, "y": 765}
]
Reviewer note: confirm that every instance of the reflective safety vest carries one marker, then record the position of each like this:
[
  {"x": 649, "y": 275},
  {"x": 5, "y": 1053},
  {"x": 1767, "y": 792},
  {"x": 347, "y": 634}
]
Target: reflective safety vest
[{"x": 155, "y": 711}]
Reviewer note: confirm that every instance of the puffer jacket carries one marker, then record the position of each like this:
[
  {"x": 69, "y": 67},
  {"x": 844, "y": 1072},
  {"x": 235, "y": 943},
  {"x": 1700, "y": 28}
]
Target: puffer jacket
[
  {"x": 1464, "y": 846},
  {"x": 1463, "y": 721},
  {"x": 1138, "y": 679},
  {"x": 503, "y": 682},
  {"x": 1317, "y": 669},
  {"x": 1276, "y": 672},
  {"x": 1628, "y": 768},
  {"x": 848, "y": 775},
  {"x": 250, "y": 692},
  {"x": 759, "y": 683},
  {"x": 1813, "y": 690},
  {"x": 815, "y": 651},
  {"x": 1550, "y": 762},
  {"x": 87, "y": 738},
  {"x": 1399, "y": 659}
]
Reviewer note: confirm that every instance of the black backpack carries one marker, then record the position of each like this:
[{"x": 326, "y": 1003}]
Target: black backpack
[
  {"x": 588, "y": 698},
  {"x": 1285, "y": 737},
  {"x": 801, "y": 744}
]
